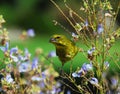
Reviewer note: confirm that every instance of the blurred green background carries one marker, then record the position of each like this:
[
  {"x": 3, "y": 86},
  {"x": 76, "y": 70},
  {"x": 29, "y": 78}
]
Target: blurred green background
[
  {"x": 36, "y": 14},
  {"x": 39, "y": 15}
]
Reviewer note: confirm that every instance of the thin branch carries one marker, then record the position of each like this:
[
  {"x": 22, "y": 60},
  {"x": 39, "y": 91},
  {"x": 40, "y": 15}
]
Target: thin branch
[{"x": 63, "y": 14}]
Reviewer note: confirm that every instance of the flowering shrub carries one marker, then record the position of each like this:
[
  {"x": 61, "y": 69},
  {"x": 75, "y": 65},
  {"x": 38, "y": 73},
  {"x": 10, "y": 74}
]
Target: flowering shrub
[
  {"x": 21, "y": 75},
  {"x": 96, "y": 30}
]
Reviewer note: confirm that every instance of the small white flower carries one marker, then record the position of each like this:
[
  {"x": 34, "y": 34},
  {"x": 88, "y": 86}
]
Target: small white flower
[
  {"x": 94, "y": 81},
  {"x": 108, "y": 15},
  {"x": 74, "y": 74},
  {"x": 74, "y": 35},
  {"x": 24, "y": 67},
  {"x": 78, "y": 73},
  {"x": 9, "y": 79},
  {"x": 36, "y": 78},
  {"x": 14, "y": 58}
]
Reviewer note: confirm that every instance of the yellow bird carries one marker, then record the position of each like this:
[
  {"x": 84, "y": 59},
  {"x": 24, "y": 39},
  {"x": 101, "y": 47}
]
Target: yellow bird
[{"x": 65, "y": 48}]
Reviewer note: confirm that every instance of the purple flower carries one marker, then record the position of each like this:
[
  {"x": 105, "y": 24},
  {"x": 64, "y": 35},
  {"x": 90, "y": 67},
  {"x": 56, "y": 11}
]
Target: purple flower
[
  {"x": 74, "y": 35},
  {"x": 9, "y": 67},
  {"x": 42, "y": 84},
  {"x": 114, "y": 81},
  {"x": 36, "y": 78},
  {"x": 13, "y": 50},
  {"x": 109, "y": 92},
  {"x": 41, "y": 92},
  {"x": 7, "y": 45},
  {"x": 20, "y": 58},
  {"x": 106, "y": 64},
  {"x": 5, "y": 48},
  {"x": 78, "y": 73},
  {"x": 24, "y": 67},
  {"x": 26, "y": 54},
  {"x": 86, "y": 23},
  {"x": 43, "y": 75},
  {"x": 30, "y": 32},
  {"x": 35, "y": 63},
  {"x": 91, "y": 51},
  {"x": 94, "y": 81},
  {"x": 8, "y": 79},
  {"x": 68, "y": 92},
  {"x": 87, "y": 67},
  {"x": 55, "y": 90},
  {"x": 52, "y": 54},
  {"x": 100, "y": 28},
  {"x": 58, "y": 90}
]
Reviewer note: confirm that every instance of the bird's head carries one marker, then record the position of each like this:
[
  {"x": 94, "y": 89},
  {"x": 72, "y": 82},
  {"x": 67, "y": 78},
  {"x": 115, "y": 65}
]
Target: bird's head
[{"x": 58, "y": 39}]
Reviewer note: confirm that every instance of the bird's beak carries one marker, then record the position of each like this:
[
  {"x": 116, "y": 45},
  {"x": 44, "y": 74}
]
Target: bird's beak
[{"x": 52, "y": 40}]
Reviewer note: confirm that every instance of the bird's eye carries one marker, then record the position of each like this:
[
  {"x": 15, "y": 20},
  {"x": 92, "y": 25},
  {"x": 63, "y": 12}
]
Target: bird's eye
[{"x": 57, "y": 37}]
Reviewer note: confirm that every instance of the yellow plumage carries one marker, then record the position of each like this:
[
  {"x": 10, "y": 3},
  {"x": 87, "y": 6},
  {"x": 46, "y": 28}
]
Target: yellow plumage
[{"x": 65, "y": 48}]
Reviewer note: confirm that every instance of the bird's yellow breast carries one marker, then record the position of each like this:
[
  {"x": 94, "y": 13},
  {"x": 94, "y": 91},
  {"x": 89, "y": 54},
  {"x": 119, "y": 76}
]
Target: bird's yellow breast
[{"x": 65, "y": 48}]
